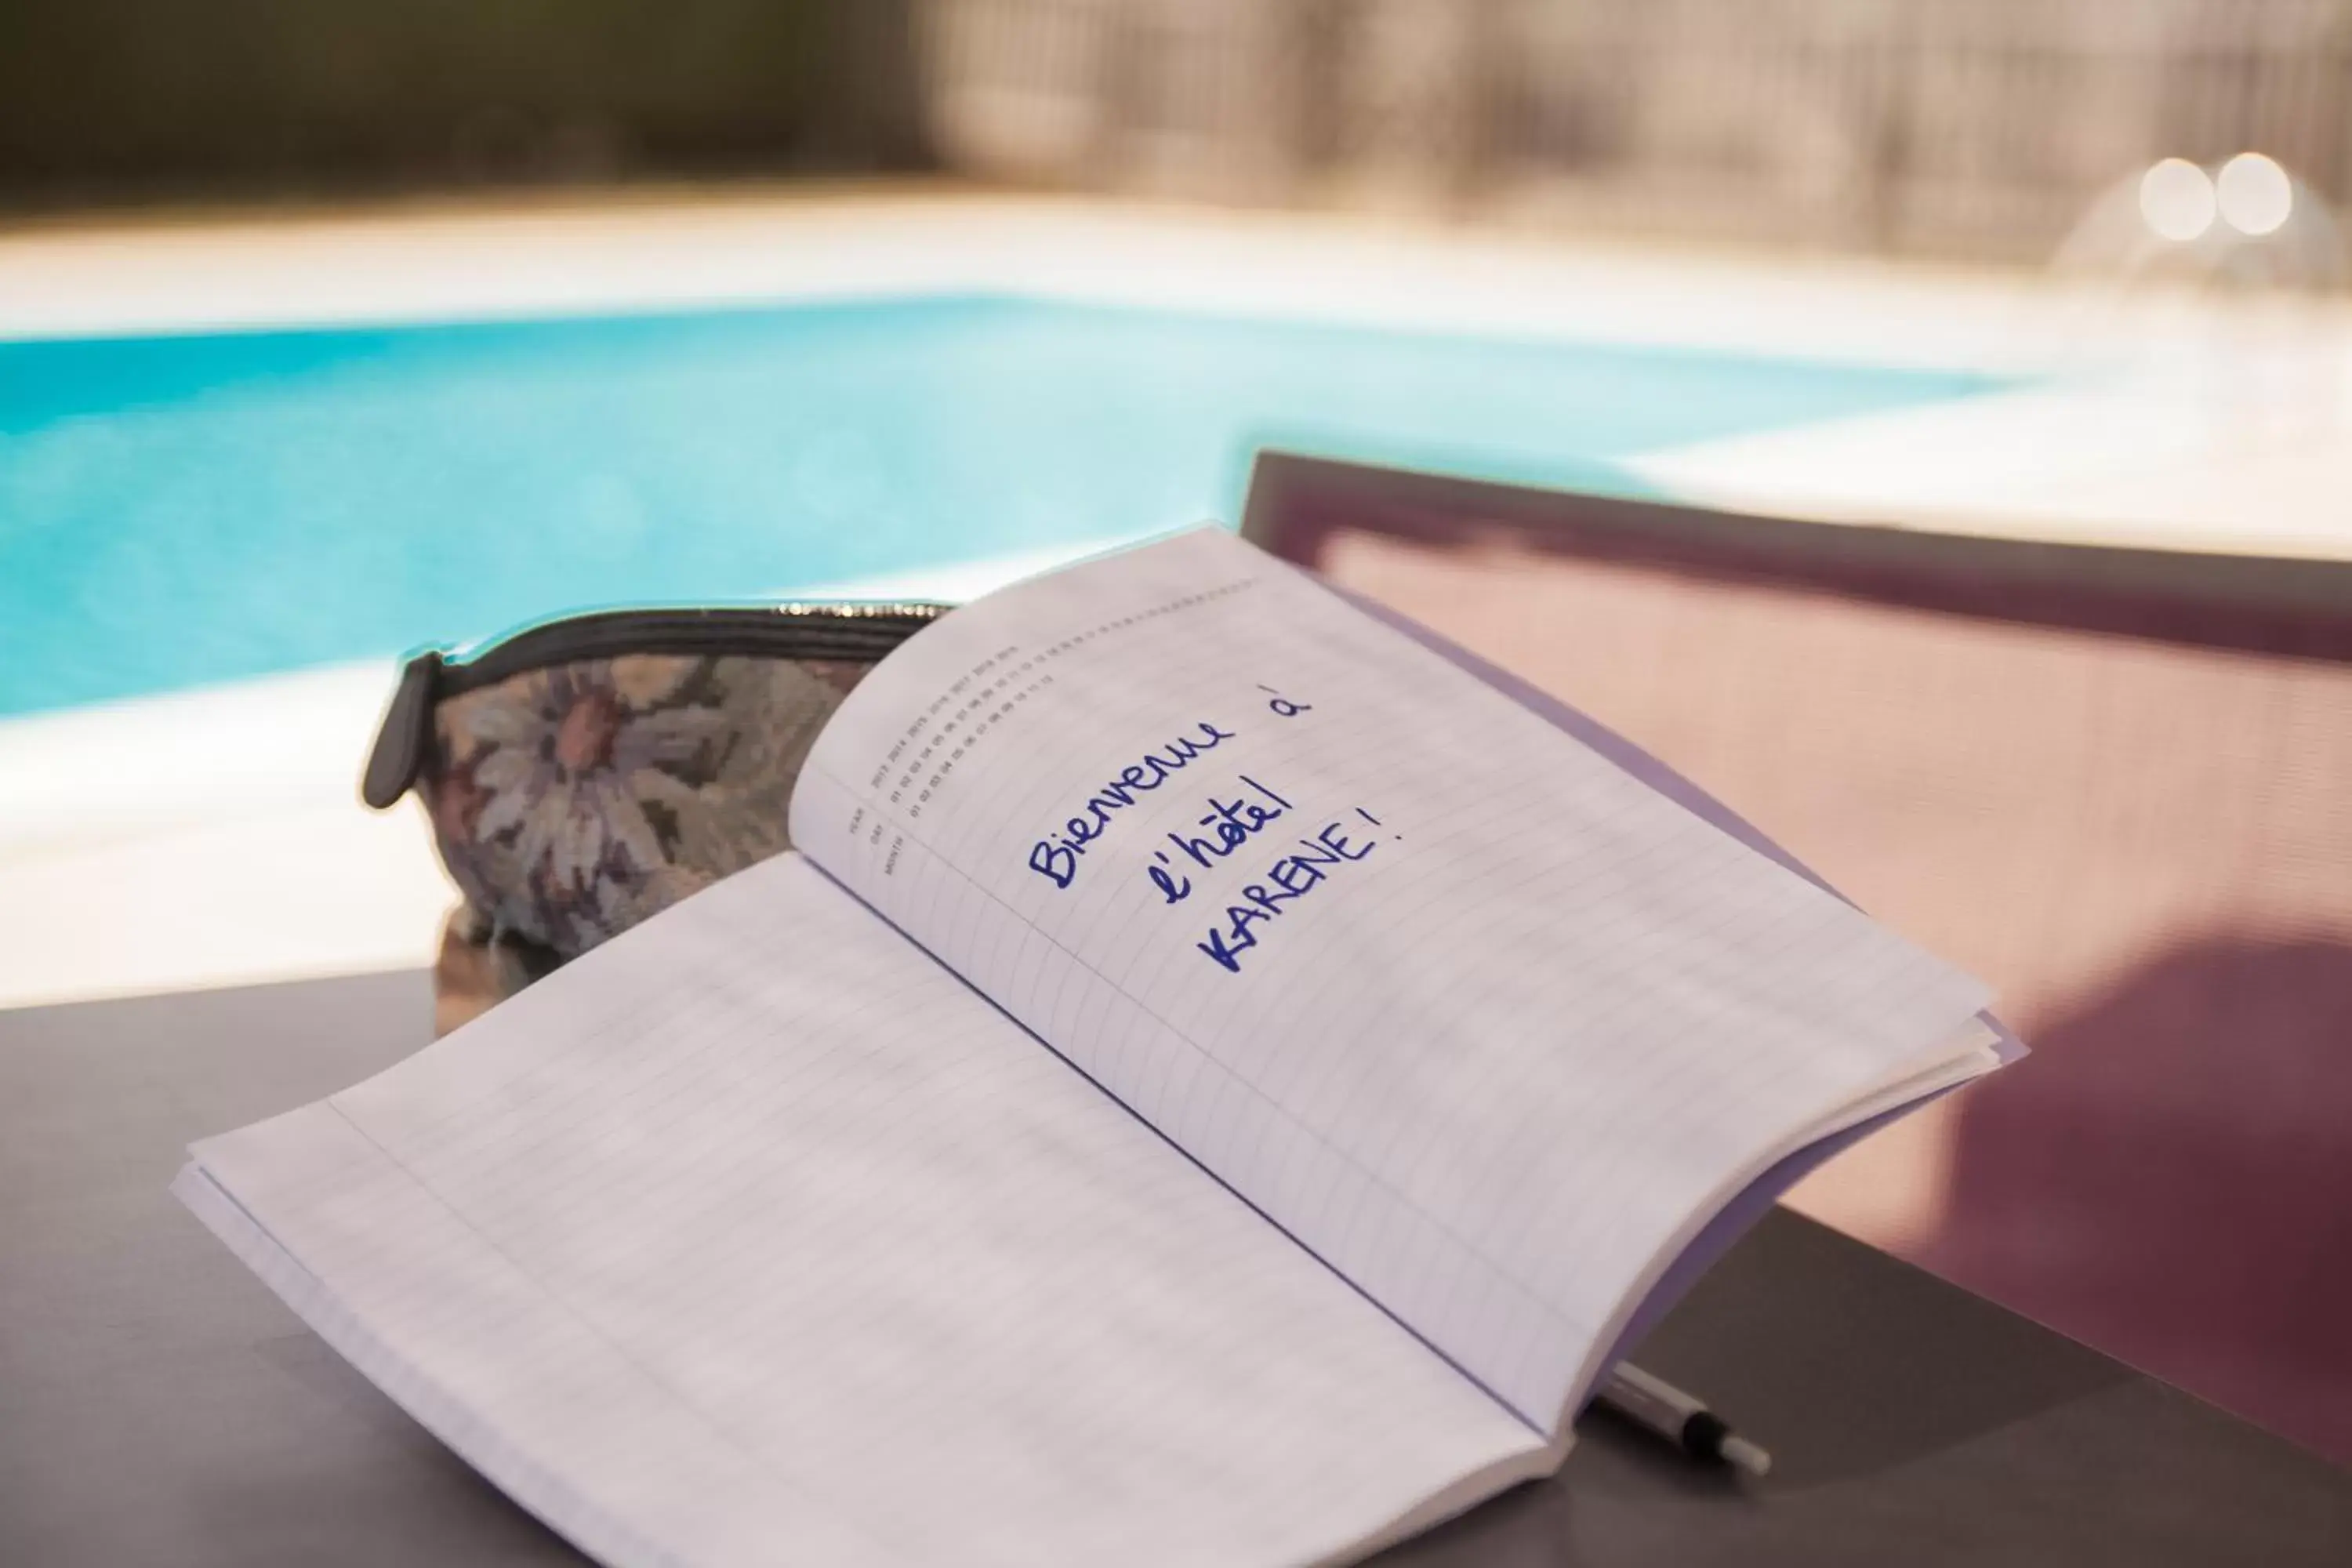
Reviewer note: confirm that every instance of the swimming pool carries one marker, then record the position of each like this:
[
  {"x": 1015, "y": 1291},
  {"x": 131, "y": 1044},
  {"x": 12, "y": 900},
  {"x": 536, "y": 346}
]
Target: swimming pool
[{"x": 186, "y": 509}]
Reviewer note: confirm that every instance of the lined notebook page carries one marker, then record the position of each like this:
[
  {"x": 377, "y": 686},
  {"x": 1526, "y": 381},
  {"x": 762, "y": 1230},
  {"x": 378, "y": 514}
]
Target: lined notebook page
[
  {"x": 1478, "y": 1019},
  {"x": 755, "y": 1237}
]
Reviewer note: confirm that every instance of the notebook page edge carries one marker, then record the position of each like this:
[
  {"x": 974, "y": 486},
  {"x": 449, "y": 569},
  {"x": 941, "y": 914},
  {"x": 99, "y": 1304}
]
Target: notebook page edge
[
  {"x": 1972, "y": 1053},
  {"x": 446, "y": 1415},
  {"x": 1965, "y": 995},
  {"x": 543, "y": 1494},
  {"x": 1460, "y": 1496}
]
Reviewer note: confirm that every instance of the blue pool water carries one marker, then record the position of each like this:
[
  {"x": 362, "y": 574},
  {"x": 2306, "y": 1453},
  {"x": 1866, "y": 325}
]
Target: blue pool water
[{"x": 180, "y": 509}]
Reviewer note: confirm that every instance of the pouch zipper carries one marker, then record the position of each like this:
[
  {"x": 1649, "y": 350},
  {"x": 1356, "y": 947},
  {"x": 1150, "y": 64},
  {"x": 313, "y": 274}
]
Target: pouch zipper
[{"x": 848, "y": 632}]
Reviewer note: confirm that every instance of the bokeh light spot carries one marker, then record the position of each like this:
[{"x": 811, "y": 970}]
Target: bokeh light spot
[
  {"x": 2176, "y": 198},
  {"x": 2254, "y": 194}
]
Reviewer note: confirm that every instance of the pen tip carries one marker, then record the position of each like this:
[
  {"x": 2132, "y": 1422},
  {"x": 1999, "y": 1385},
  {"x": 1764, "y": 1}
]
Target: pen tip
[{"x": 1740, "y": 1453}]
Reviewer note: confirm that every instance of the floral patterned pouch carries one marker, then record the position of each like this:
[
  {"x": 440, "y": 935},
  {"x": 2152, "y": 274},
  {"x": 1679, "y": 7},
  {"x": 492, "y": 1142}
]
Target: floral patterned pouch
[{"x": 588, "y": 773}]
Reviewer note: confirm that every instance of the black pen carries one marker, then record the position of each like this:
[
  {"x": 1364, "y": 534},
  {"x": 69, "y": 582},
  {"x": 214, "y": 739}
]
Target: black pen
[{"x": 1680, "y": 1418}]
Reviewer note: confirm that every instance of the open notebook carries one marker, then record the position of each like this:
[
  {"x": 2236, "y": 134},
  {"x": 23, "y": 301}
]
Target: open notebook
[{"x": 1215, "y": 1084}]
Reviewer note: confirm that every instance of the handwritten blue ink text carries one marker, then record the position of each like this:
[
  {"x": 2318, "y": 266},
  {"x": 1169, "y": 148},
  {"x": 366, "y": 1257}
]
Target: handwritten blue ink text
[
  {"x": 1056, "y": 856},
  {"x": 1291, "y": 877}
]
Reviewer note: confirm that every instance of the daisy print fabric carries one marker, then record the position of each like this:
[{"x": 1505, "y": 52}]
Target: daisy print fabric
[{"x": 573, "y": 802}]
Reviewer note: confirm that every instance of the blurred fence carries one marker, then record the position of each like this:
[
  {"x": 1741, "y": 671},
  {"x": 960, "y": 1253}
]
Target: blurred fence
[
  {"x": 1961, "y": 126},
  {"x": 113, "y": 100}
]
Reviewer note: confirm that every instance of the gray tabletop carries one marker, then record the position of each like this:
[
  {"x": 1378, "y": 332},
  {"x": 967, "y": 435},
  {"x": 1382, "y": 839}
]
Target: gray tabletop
[{"x": 157, "y": 1404}]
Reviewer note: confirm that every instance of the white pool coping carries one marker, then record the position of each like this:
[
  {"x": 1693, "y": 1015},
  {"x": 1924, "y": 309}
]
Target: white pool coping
[{"x": 214, "y": 838}]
